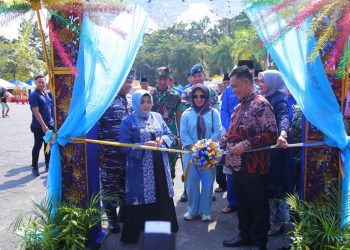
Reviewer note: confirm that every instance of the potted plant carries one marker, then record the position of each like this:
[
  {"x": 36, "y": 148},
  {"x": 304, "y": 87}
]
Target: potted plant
[
  {"x": 67, "y": 229},
  {"x": 317, "y": 223}
]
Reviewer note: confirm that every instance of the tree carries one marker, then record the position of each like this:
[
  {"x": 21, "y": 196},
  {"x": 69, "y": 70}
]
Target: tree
[
  {"x": 220, "y": 60},
  {"x": 35, "y": 42},
  {"x": 180, "y": 46},
  {"x": 22, "y": 58},
  {"x": 246, "y": 46},
  {"x": 168, "y": 47},
  {"x": 8, "y": 59},
  {"x": 245, "y": 41}
]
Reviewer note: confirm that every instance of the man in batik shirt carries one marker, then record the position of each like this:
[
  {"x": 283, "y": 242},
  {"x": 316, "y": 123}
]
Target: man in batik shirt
[
  {"x": 253, "y": 124},
  {"x": 167, "y": 102},
  {"x": 197, "y": 75},
  {"x": 112, "y": 161}
]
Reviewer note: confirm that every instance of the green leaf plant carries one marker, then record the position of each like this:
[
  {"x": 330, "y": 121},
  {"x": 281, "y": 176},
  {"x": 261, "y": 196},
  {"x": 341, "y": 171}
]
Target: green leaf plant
[
  {"x": 65, "y": 227},
  {"x": 317, "y": 224}
]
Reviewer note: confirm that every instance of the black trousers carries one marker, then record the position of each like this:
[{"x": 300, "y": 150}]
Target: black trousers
[
  {"x": 38, "y": 143},
  {"x": 220, "y": 176},
  {"x": 252, "y": 206}
]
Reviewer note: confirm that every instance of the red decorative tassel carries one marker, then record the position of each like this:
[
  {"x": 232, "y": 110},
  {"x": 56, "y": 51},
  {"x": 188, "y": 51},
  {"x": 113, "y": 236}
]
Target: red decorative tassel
[
  {"x": 274, "y": 9},
  {"x": 344, "y": 27},
  {"x": 93, "y": 7},
  {"x": 67, "y": 61},
  {"x": 296, "y": 22}
]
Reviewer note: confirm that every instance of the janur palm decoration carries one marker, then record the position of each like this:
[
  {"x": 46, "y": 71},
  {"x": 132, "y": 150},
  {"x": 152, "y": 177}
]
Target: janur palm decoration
[
  {"x": 97, "y": 11},
  {"x": 330, "y": 20}
]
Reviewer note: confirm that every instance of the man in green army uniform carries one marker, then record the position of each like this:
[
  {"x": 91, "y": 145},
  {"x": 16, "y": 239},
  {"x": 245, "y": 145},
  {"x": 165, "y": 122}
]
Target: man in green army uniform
[
  {"x": 197, "y": 74},
  {"x": 167, "y": 102}
]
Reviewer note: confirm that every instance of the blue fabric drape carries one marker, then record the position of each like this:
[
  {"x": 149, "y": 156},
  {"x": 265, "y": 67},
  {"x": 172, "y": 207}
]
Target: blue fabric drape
[
  {"x": 104, "y": 61},
  {"x": 308, "y": 83}
]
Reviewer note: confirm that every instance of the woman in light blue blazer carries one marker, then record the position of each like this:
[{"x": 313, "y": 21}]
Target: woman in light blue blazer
[{"x": 200, "y": 121}]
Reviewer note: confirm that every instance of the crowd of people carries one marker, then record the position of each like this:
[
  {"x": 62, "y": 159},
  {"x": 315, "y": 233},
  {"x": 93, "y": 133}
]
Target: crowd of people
[{"x": 249, "y": 109}]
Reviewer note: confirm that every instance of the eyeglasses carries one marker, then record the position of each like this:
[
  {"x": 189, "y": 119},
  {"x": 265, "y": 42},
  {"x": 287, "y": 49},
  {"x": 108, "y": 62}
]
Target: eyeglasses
[{"x": 198, "y": 96}]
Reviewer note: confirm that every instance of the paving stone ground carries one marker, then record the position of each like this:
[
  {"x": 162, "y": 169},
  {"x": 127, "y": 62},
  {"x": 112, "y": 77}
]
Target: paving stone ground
[{"x": 18, "y": 188}]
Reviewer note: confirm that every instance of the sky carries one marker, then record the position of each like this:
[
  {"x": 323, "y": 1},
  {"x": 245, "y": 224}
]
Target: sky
[
  {"x": 195, "y": 12},
  {"x": 163, "y": 13},
  {"x": 10, "y": 29}
]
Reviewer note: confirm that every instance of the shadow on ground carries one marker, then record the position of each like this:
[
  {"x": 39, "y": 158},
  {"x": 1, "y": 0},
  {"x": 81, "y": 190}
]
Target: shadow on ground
[
  {"x": 22, "y": 181},
  {"x": 196, "y": 234}
]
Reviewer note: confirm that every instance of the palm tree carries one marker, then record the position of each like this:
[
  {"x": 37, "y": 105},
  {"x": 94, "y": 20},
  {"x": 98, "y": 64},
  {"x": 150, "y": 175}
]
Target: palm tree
[
  {"x": 220, "y": 59},
  {"x": 246, "y": 46}
]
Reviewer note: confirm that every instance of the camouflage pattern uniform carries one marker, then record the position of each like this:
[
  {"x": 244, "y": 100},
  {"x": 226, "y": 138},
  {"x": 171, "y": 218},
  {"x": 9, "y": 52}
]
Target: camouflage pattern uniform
[
  {"x": 112, "y": 161},
  {"x": 186, "y": 98},
  {"x": 167, "y": 103}
]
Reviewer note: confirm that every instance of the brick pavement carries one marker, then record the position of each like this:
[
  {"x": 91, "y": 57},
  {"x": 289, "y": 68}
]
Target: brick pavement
[
  {"x": 195, "y": 235},
  {"x": 18, "y": 187}
]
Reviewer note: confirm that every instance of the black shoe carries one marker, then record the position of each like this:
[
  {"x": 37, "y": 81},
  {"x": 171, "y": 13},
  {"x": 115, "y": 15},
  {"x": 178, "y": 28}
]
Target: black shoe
[
  {"x": 284, "y": 248},
  {"x": 274, "y": 232},
  {"x": 46, "y": 168},
  {"x": 258, "y": 248},
  {"x": 213, "y": 198},
  {"x": 184, "y": 197},
  {"x": 236, "y": 242},
  {"x": 35, "y": 172},
  {"x": 114, "y": 227},
  {"x": 220, "y": 190}
]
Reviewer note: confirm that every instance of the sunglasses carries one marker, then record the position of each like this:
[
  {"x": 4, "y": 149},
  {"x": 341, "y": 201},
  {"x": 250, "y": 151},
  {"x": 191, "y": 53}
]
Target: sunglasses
[{"x": 198, "y": 96}]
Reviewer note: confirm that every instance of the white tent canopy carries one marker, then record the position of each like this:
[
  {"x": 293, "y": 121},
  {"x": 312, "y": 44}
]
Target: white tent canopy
[
  {"x": 6, "y": 84},
  {"x": 22, "y": 85}
]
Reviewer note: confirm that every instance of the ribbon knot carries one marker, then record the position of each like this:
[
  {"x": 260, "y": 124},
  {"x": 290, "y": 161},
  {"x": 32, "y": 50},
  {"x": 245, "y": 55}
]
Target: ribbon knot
[
  {"x": 348, "y": 141},
  {"x": 333, "y": 143},
  {"x": 49, "y": 138}
]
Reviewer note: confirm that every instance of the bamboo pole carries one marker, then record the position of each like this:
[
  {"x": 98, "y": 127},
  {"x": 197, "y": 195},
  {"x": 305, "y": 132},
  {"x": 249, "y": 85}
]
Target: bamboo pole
[
  {"x": 36, "y": 6},
  {"x": 346, "y": 81},
  {"x": 128, "y": 145}
]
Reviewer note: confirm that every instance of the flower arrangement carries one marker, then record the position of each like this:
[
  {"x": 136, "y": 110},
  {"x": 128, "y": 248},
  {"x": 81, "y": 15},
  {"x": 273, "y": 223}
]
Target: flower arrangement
[{"x": 206, "y": 154}]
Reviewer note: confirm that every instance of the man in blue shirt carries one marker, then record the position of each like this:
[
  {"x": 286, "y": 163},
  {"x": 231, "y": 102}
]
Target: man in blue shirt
[
  {"x": 41, "y": 104},
  {"x": 229, "y": 101},
  {"x": 190, "y": 81},
  {"x": 198, "y": 75},
  {"x": 220, "y": 176},
  {"x": 112, "y": 164}
]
